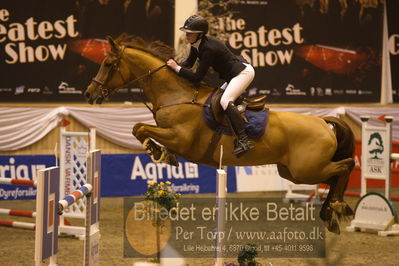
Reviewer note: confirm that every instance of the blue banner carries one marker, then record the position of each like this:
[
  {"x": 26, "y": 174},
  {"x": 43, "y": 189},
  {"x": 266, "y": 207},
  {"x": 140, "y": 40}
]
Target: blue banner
[
  {"x": 22, "y": 167},
  {"x": 123, "y": 175},
  {"x": 128, "y": 175}
]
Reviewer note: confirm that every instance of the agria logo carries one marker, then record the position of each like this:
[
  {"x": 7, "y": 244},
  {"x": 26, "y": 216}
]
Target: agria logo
[{"x": 375, "y": 145}]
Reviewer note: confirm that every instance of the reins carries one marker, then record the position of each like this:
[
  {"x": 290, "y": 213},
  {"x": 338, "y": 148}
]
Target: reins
[
  {"x": 149, "y": 73},
  {"x": 105, "y": 92},
  {"x": 193, "y": 101}
]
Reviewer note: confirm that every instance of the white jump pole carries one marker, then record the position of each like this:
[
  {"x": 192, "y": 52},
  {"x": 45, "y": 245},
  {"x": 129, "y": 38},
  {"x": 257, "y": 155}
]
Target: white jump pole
[
  {"x": 17, "y": 224},
  {"x": 220, "y": 203},
  {"x": 18, "y": 182},
  {"x": 18, "y": 213}
]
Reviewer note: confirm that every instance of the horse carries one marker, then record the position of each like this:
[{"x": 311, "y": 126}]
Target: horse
[{"x": 306, "y": 149}]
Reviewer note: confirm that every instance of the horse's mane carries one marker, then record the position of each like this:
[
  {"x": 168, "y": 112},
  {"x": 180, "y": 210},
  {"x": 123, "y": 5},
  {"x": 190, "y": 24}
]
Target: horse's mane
[{"x": 156, "y": 48}]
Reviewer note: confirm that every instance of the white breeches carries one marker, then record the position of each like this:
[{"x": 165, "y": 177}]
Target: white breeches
[{"x": 237, "y": 86}]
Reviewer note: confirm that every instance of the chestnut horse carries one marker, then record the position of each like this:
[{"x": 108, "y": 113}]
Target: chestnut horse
[{"x": 306, "y": 149}]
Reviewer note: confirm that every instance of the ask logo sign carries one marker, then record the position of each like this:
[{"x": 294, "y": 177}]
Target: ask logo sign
[
  {"x": 375, "y": 150},
  {"x": 375, "y": 146}
]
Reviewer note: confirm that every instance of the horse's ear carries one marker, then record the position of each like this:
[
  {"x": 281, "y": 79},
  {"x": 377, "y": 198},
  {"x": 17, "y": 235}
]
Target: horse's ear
[{"x": 114, "y": 46}]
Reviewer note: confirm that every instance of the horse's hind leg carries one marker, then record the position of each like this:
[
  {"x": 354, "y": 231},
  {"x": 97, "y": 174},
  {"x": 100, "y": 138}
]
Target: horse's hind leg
[
  {"x": 337, "y": 202},
  {"x": 326, "y": 212},
  {"x": 334, "y": 207}
]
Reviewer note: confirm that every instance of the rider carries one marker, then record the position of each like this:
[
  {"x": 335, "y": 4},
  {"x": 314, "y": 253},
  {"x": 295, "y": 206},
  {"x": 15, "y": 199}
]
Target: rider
[{"x": 237, "y": 73}]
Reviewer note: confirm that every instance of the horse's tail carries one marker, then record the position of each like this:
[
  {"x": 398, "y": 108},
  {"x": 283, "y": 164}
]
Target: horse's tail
[{"x": 345, "y": 139}]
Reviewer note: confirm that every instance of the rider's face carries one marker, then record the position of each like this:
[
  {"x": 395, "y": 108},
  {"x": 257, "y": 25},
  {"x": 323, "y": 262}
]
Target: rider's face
[{"x": 191, "y": 37}]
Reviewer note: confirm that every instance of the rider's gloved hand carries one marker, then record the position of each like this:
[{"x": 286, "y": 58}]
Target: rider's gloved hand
[{"x": 173, "y": 65}]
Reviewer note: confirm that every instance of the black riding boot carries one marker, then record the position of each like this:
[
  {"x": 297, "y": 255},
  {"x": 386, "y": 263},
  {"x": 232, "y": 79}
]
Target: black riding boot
[{"x": 241, "y": 144}]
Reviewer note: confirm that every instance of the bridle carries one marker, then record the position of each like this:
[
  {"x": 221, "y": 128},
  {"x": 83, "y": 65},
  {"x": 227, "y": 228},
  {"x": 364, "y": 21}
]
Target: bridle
[{"x": 105, "y": 91}]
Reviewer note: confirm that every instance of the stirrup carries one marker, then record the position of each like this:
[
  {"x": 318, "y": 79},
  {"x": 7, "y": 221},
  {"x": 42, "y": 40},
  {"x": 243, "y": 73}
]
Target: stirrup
[{"x": 242, "y": 147}]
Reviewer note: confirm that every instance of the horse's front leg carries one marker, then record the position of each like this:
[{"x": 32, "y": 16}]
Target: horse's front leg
[
  {"x": 145, "y": 133},
  {"x": 135, "y": 131}
]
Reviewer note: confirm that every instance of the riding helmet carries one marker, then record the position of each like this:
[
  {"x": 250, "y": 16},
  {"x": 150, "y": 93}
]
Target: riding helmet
[{"x": 195, "y": 24}]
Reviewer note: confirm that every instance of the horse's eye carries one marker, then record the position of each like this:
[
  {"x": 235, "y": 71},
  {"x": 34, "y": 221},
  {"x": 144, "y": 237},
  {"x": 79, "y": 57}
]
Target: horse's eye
[{"x": 108, "y": 64}]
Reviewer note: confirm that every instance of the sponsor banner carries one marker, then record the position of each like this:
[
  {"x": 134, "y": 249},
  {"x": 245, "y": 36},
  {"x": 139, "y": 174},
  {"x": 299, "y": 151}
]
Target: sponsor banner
[
  {"x": 22, "y": 167},
  {"x": 392, "y": 8},
  {"x": 123, "y": 175},
  {"x": 129, "y": 174},
  {"x": 51, "y": 50},
  {"x": 305, "y": 52}
]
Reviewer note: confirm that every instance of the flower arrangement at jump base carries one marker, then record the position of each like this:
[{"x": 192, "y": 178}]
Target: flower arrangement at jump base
[
  {"x": 163, "y": 194},
  {"x": 164, "y": 197}
]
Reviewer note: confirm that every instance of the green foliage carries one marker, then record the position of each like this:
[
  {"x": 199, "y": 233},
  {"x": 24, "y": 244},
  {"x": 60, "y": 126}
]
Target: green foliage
[{"x": 163, "y": 194}]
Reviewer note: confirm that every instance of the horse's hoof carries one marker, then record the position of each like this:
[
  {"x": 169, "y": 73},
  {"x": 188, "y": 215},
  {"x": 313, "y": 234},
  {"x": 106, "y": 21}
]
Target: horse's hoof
[
  {"x": 341, "y": 210},
  {"x": 171, "y": 159},
  {"x": 333, "y": 226},
  {"x": 348, "y": 210},
  {"x": 135, "y": 128},
  {"x": 338, "y": 207},
  {"x": 325, "y": 214},
  {"x": 154, "y": 150},
  {"x": 156, "y": 156},
  {"x": 156, "y": 153}
]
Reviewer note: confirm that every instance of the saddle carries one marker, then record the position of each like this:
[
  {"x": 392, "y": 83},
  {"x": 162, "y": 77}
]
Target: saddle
[{"x": 254, "y": 104}]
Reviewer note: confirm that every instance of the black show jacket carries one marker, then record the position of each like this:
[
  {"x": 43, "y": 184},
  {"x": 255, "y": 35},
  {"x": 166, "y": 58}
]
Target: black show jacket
[{"x": 212, "y": 53}]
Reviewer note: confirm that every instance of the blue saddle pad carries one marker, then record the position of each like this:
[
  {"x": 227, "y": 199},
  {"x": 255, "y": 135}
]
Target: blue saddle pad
[{"x": 255, "y": 127}]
